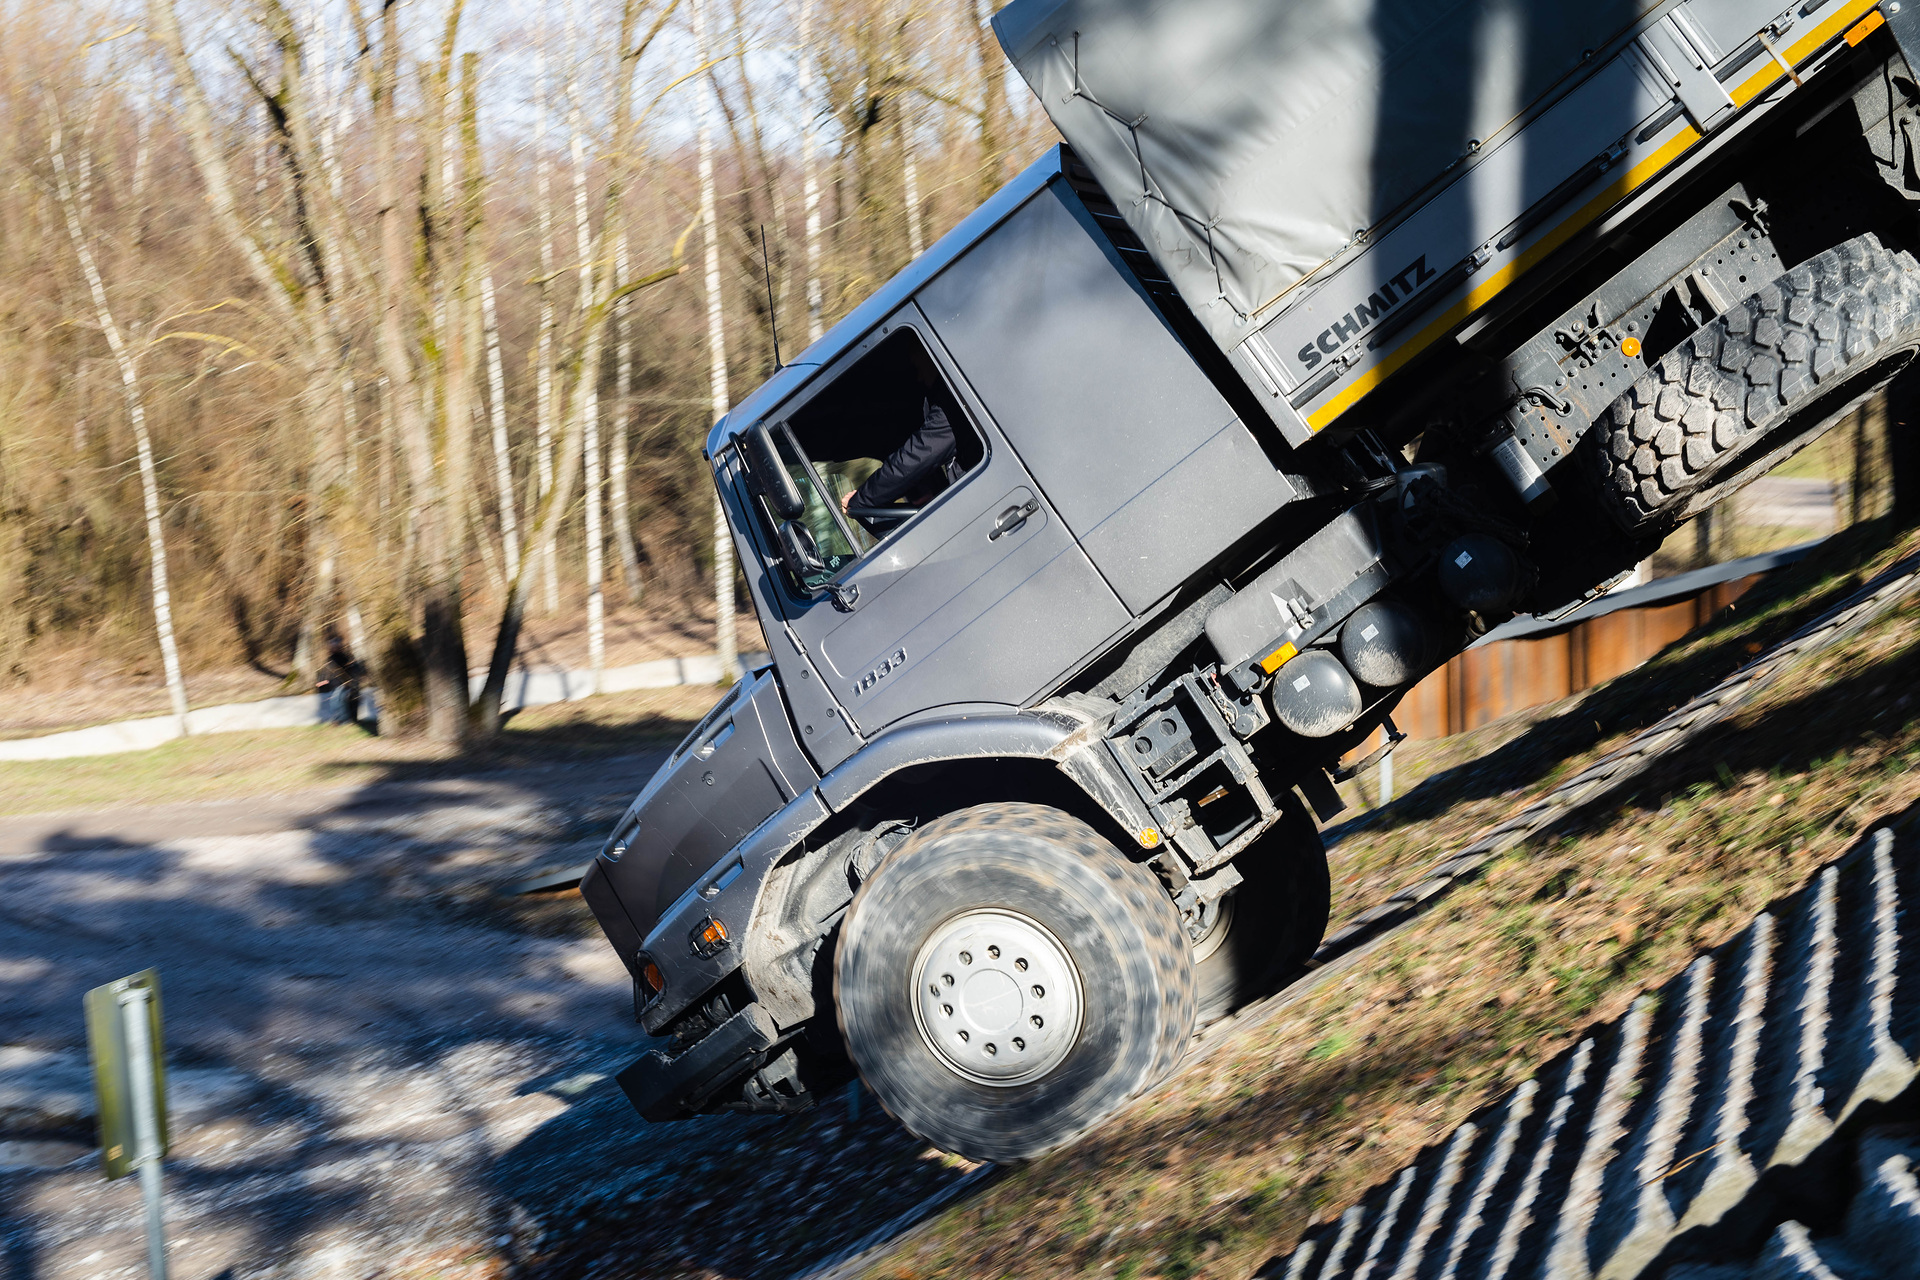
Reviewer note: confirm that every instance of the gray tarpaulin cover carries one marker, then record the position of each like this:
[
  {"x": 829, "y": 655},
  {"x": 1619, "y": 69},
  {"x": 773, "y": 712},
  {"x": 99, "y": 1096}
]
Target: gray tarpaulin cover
[{"x": 1271, "y": 131}]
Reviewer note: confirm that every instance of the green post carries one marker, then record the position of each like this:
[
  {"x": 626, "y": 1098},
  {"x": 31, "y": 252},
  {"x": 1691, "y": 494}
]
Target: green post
[{"x": 130, "y": 1086}]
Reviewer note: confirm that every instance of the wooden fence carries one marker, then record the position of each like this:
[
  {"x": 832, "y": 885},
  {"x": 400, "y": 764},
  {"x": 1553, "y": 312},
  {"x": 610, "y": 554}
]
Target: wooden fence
[{"x": 1529, "y": 663}]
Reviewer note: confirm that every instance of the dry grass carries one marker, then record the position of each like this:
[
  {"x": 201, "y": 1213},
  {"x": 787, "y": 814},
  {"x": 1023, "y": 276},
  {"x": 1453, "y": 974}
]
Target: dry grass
[
  {"x": 228, "y": 766},
  {"x": 1290, "y": 1121}
]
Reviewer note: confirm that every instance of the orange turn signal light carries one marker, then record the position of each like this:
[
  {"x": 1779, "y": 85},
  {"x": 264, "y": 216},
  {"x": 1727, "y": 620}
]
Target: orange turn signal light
[
  {"x": 1278, "y": 658},
  {"x": 651, "y": 975},
  {"x": 708, "y": 937},
  {"x": 1866, "y": 27}
]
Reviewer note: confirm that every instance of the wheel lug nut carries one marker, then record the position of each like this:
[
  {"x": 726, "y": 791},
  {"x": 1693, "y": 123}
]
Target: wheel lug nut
[
  {"x": 946, "y": 978},
  {"x": 933, "y": 988},
  {"x": 1039, "y": 992},
  {"x": 990, "y": 1049},
  {"x": 1035, "y": 1020},
  {"x": 964, "y": 1037},
  {"x": 947, "y": 1009},
  {"x": 966, "y": 957},
  {"x": 1021, "y": 965},
  {"x": 993, "y": 952},
  {"x": 1018, "y": 1043}
]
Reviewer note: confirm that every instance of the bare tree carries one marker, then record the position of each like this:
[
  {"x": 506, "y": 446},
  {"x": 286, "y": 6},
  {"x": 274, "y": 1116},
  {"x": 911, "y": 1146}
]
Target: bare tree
[
  {"x": 804, "y": 57},
  {"x": 589, "y": 391},
  {"x": 993, "y": 95},
  {"x": 502, "y": 451},
  {"x": 727, "y": 643},
  {"x": 619, "y": 442},
  {"x": 586, "y": 340},
  {"x": 302, "y": 510},
  {"x": 128, "y": 365},
  {"x": 544, "y": 355}
]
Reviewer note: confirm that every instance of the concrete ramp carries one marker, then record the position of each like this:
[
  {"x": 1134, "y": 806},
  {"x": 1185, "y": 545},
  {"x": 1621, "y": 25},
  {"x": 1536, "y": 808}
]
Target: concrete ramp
[{"x": 1667, "y": 1120}]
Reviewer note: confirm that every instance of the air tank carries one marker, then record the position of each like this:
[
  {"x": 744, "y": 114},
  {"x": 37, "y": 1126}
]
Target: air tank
[
  {"x": 1384, "y": 643},
  {"x": 1480, "y": 573},
  {"x": 1314, "y": 695}
]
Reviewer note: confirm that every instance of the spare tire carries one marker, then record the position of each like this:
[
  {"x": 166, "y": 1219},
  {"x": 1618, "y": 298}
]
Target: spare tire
[{"x": 1756, "y": 385}]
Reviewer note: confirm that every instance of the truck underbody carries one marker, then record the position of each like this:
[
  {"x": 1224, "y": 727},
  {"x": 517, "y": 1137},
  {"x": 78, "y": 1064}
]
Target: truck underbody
[{"x": 1707, "y": 325}]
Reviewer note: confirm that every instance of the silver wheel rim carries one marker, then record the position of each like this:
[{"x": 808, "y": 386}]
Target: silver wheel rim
[
  {"x": 1215, "y": 934},
  {"x": 997, "y": 998}
]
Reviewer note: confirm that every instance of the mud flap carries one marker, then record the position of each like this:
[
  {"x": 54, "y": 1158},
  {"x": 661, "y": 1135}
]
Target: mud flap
[
  {"x": 672, "y": 1088},
  {"x": 1319, "y": 791}
]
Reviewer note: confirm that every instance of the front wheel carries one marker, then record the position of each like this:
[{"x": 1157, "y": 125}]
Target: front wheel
[{"x": 1007, "y": 979}]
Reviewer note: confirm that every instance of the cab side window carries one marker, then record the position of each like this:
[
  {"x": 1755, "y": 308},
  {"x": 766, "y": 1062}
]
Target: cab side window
[{"x": 885, "y": 439}]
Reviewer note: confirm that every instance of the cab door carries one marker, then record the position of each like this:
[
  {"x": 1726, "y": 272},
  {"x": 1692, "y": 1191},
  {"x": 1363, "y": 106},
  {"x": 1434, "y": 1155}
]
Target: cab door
[{"x": 983, "y": 597}]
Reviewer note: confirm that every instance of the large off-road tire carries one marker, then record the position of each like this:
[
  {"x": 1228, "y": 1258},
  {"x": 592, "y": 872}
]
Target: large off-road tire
[
  {"x": 1756, "y": 384},
  {"x": 1007, "y": 979},
  {"x": 1266, "y": 930}
]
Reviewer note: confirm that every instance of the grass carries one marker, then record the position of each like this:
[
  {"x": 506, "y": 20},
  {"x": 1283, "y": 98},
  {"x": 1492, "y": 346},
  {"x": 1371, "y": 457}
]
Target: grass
[
  {"x": 227, "y": 766},
  {"x": 1290, "y": 1121}
]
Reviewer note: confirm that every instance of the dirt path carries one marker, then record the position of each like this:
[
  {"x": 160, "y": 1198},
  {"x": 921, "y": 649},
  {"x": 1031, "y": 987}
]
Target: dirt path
[{"x": 382, "y": 1064}]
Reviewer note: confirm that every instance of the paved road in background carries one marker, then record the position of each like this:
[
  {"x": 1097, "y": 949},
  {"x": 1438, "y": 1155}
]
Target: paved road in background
[{"x": 1790, "y": 503}]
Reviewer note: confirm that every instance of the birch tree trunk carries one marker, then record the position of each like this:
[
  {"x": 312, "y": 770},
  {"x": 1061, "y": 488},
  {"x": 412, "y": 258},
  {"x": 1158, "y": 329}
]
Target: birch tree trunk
[
  {"x": 916, "y": 236},
  {"x": 903, "y": 134},
  {"x": 726, "y": 641},
  {"x": 588, "y": 395},
  {"x": 502, "y": 454},
  {"x": 810, "y": 172},
  {"x": 137, "y": 417},
  {"x": 618, "y": 444},
  {"x": 543, "y": 371}
]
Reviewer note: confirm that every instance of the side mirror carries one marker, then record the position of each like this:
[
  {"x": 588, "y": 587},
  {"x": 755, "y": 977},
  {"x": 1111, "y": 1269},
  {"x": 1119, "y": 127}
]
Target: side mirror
[
  {"x": 770, "y": 479},
  {"x": 800, "y": 551}
]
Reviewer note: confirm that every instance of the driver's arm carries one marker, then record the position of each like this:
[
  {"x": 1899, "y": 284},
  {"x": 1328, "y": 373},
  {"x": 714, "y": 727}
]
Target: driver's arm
[{"x": 919, "y": 454}]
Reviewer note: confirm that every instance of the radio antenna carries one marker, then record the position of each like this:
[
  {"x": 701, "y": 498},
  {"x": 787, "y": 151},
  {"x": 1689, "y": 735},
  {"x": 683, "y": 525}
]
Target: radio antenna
[{"x": 773, "y": 317}]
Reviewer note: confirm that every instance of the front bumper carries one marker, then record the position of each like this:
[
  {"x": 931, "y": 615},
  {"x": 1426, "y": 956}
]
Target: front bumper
[{"x": 663, "y": 1087}]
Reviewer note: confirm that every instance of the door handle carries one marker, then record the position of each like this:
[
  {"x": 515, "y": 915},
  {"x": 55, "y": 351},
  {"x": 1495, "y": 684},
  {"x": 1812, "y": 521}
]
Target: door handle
[{"x": 1012, "y": 518}]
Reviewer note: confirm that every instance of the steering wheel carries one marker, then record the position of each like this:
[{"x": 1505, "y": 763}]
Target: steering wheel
[{"x": 881, "y": 515}]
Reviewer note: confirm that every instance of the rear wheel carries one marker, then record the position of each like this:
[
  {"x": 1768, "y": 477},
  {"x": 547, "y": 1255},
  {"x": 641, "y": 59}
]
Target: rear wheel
[
  {"x": 1757, "y": 384},
  {"x": 1265, "y": 931},
  {"x": 1007, "y": 979}
]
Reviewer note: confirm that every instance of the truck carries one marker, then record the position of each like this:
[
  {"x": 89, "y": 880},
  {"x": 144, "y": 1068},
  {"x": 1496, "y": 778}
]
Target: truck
[{"x": 1330, "y": 336}]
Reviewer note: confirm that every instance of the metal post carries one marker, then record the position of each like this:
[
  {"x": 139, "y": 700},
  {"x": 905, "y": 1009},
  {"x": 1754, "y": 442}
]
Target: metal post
[
  {"x": 1386, "y": 778},
  {"x": 146, "y": 1125}
]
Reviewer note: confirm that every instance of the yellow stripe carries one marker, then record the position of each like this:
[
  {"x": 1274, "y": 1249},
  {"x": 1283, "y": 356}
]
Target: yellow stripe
[
  {"x": 1770, "y": 73},
  {"x": 1625, "y": 185}
]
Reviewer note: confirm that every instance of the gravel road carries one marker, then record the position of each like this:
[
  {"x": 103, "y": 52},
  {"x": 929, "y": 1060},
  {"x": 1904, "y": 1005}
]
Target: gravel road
[{"x": 382, "y": 1064}]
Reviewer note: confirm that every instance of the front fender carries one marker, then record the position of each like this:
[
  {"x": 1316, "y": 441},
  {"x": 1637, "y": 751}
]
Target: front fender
[{"x": 755, "y": 891}]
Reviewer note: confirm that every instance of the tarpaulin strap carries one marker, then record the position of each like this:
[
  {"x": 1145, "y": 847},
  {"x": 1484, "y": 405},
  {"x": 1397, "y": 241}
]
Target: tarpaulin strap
[{"x": 1149, "y": 189}]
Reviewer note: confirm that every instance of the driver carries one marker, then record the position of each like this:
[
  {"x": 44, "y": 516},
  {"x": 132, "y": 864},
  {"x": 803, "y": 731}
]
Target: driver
[{"x": 920, "y": 469}]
